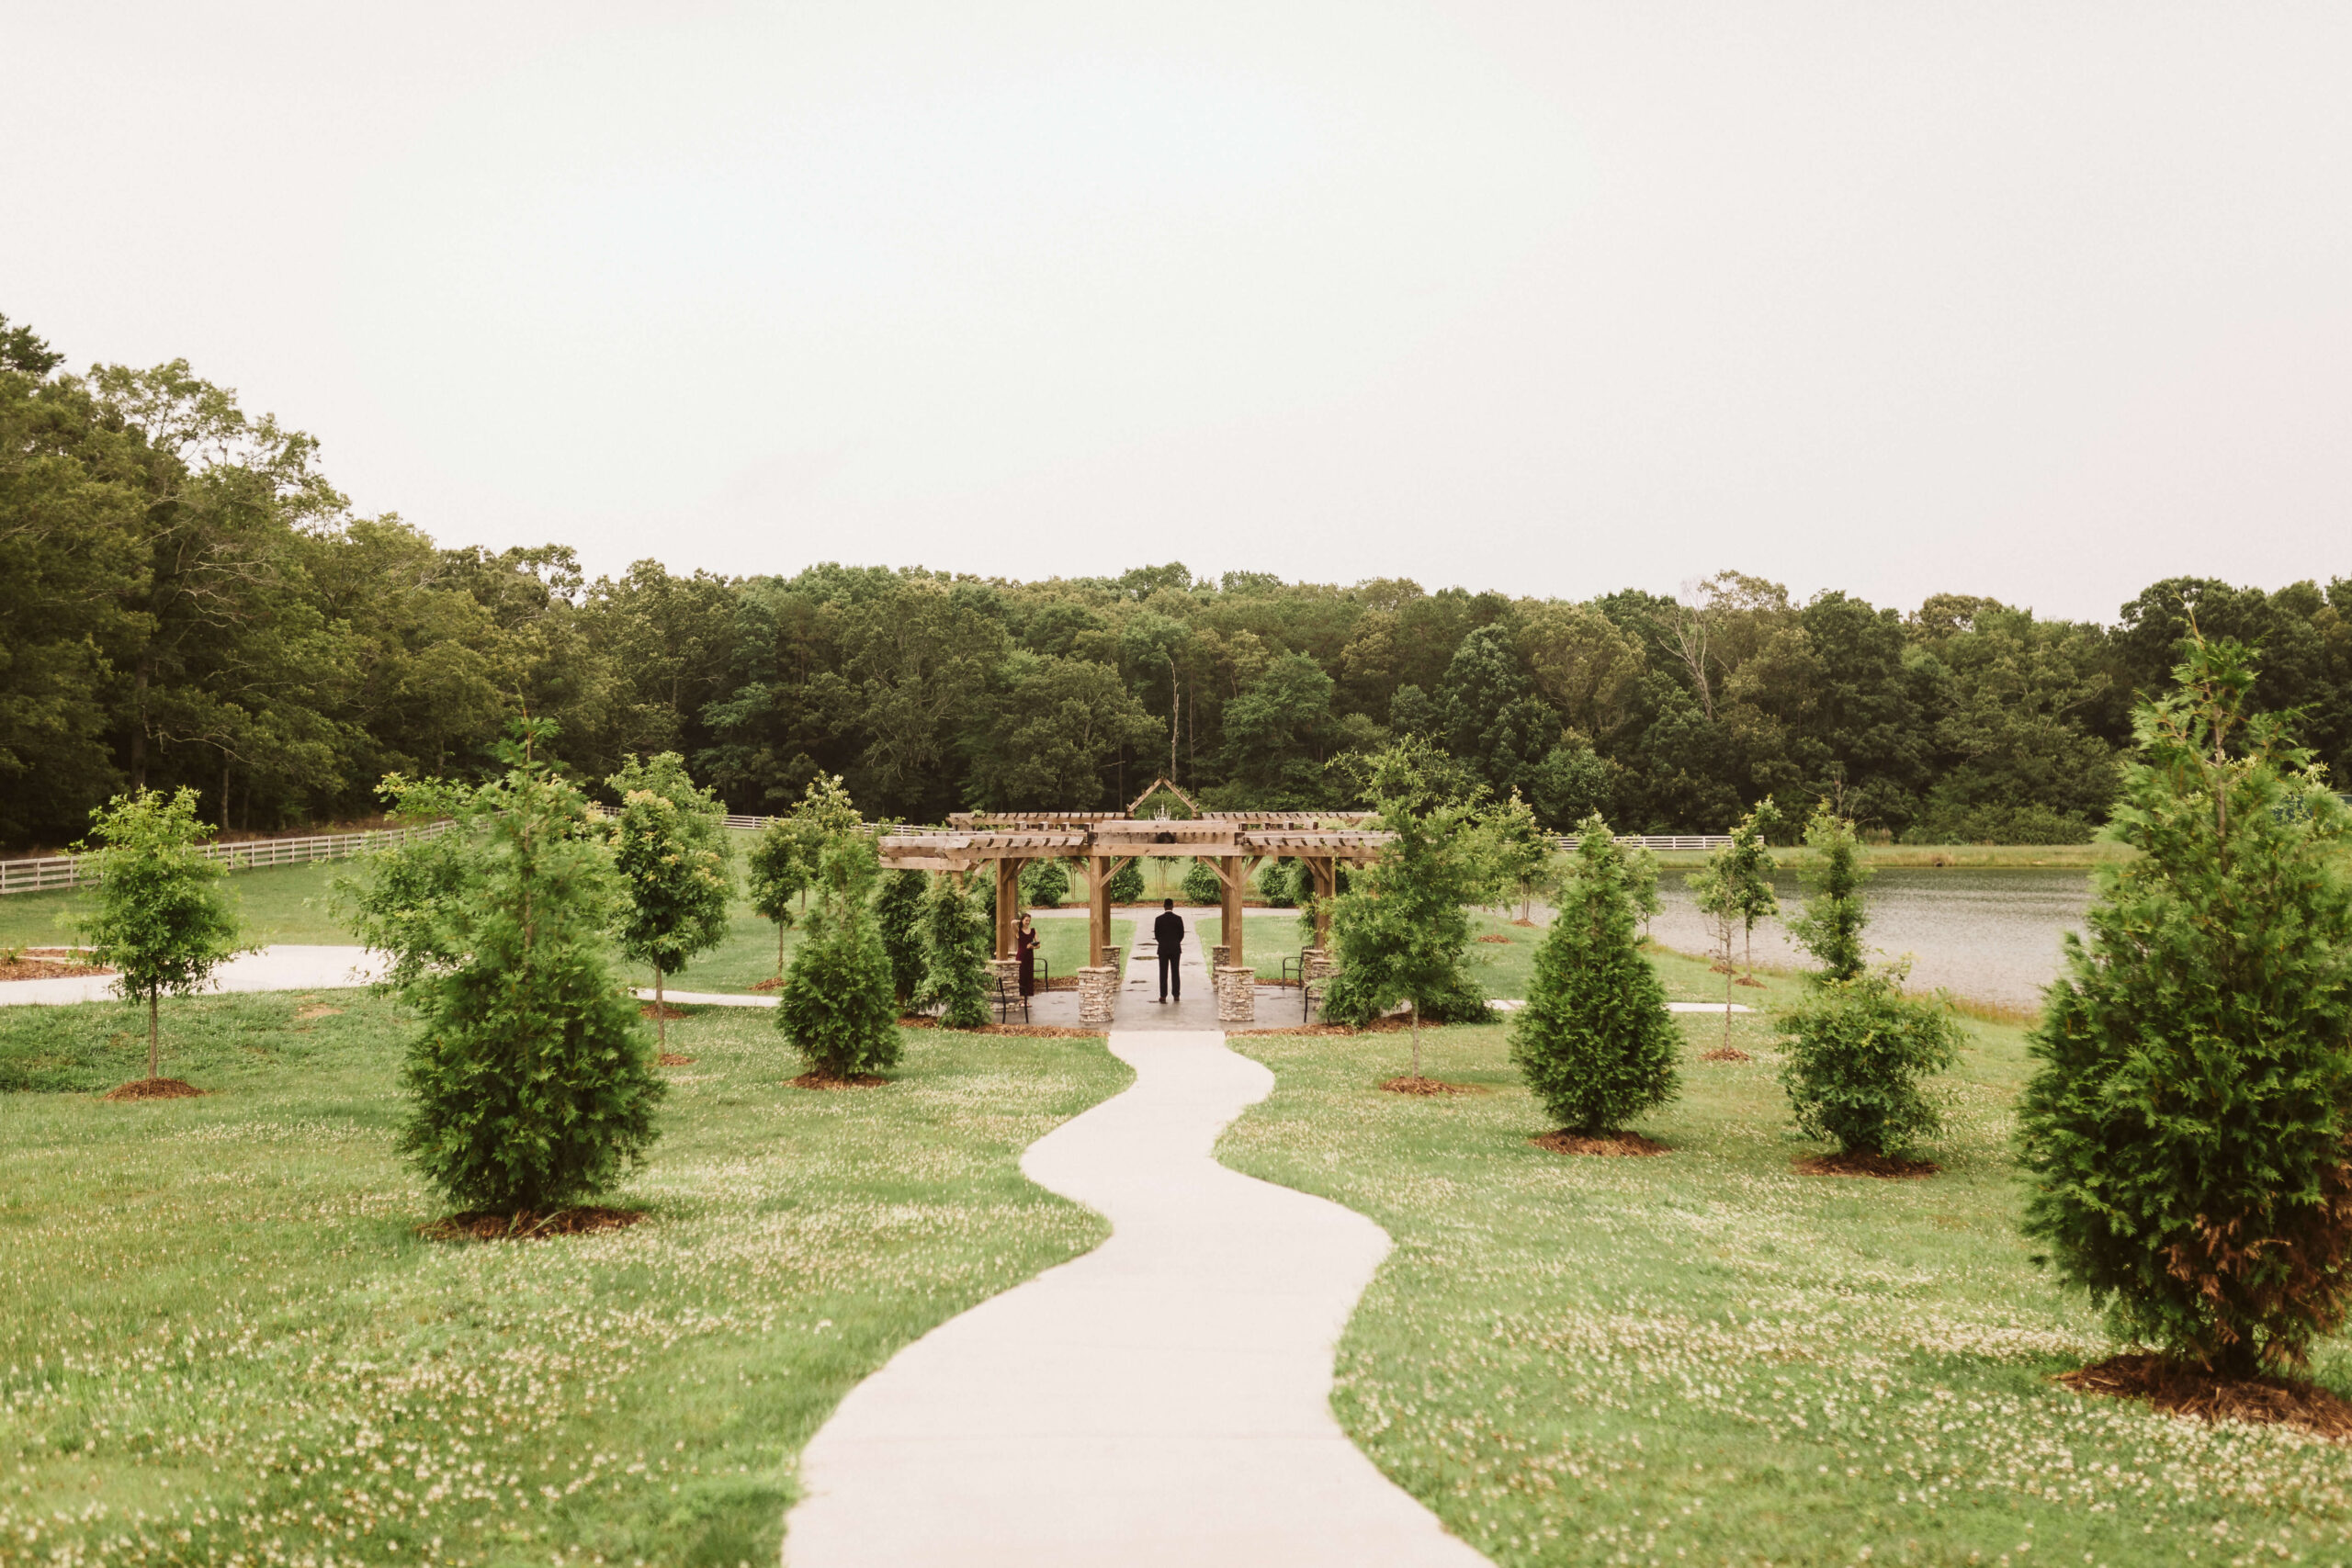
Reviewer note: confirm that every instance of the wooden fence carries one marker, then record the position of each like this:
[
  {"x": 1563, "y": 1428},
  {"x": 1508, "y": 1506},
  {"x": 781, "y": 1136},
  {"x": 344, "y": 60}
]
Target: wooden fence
[{"x": 77, "y": 871}]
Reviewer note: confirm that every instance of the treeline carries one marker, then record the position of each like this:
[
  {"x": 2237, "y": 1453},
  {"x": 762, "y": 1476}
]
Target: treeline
[{"x": 185, "y": 599}]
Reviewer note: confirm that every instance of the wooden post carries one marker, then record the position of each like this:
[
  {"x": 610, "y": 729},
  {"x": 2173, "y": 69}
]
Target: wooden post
[
  {"x": 1097, "y": 906},
  {"x": 1325, "y": 869},
  {"x": 1230, "y": 873},
  {"x": 1008, "y": 899}
]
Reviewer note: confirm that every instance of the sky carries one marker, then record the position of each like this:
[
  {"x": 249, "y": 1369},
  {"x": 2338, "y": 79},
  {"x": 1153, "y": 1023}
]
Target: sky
[{"x": 2042, "y": 300}]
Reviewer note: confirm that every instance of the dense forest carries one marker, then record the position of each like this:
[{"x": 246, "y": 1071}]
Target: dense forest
[{"x": 185, "y": 599}]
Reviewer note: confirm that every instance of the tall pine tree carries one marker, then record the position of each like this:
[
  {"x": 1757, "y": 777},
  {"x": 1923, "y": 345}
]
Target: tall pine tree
[{"x": 2186, "y": 1126}]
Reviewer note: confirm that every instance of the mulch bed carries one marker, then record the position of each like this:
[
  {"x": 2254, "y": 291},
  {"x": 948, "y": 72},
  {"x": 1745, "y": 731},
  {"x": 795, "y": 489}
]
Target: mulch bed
[
  {"x": 827, "y": 1080},
  {"x": 773, "y": 983},
  {"x": 1725, "y": 1054},
  {"x": 529, "y": 1226},
  {"x": 2179, "y": 1389},
  {"x": 1608, "y": 1145},
  {"x": 1377, "y": 1026},
  {"x": 1032, "y": 1031},
  {"x": 1427, "y": 1086},
  {"x": 1490, "y": 937},
  {"x": 154, "y": 1088},
  {"x": 672, "y": 1059},
  {"x": 665, "y": 1009},
  {"x": 47, "y": 963},
  {"x": 1886, "y": 1168}
]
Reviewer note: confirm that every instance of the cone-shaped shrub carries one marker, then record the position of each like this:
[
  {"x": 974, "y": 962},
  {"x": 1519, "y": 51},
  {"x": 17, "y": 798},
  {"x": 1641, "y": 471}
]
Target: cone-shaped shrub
[
  {"x": 837, "y": 1005},
  {"x": 1045, "y": 884},
  {"x": 1202, "y": 885},
  {"x": 2186, "y": 1129},
  {"x": 1127, "y": 884},
  {"x": 957, "y": 945},
  {"x": 533, "y": 1082},
  {"x": 899, "y": 912},
  {"x": 1595, "y": 1041}
]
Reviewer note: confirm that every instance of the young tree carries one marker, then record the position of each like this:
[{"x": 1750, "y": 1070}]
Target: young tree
[
  {"x": 533, "y": 1080},
  {"x": 670, "y": 846},
  {"x": 1595, "y": 1041},
  {"x": 1748, "y": 874},
  {"x": 838, "y": 1005},
  {"x": 161, "y": 924},
  {"x": 1202, "y": 885},
  {"x": 778, "y": 874},
  {"x": 897, "y": 913},
  {"x": 957, "y": 944},
  {"x": 1127, "y": 884},
  {"x": 1523, "y": 851},
  {"x": 1641, "y": 884},
  {"x": 2186, "y": 1126},
  {"x": 1831, "y": 926},
  {"x": 1401, "y": 929}
]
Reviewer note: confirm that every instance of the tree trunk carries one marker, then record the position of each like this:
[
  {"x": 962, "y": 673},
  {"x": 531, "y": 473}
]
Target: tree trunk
[
  {"x": 1417, "y": 1040},
  {"x": 779, "y": 950},
  {"x": 1727, "y": 979},
  {"x": 139, "y": 730},
  {"x": 224, "y": 791},
  {"x": 153, "y": 1056},
  {"x": 660, "y": 1014}
]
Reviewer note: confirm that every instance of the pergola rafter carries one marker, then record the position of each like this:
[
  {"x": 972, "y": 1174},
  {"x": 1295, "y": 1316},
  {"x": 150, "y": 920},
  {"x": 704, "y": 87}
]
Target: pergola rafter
[{"x": 1232, "y": 843}]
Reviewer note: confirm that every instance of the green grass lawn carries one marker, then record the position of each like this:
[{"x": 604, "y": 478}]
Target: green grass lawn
[
  {"x": 1707, "y": 1358},
  {"x": 1062, "y": 943},
  {"x": 278, "y": 903},
  {"x": 1267, "y": 940},
  {"x": 223, "y": 1341}
]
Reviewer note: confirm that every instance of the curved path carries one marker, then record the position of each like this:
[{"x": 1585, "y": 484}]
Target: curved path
[{"x": 1163, "y": 1400}]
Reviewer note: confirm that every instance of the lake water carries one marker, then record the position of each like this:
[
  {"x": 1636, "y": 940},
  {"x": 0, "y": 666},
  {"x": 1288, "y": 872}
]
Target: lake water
[{"x": 1991, "y": 935}]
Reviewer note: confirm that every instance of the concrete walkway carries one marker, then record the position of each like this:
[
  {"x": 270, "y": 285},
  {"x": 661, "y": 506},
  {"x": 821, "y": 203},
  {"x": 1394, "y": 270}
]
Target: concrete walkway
[
  {"x": 1163, "y": 1401},
  {"x": 281, "y": 968}
]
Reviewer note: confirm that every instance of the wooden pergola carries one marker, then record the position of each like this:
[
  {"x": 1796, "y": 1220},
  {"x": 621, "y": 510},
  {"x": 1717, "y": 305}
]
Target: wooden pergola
[{"x": 1232, "y": 844}]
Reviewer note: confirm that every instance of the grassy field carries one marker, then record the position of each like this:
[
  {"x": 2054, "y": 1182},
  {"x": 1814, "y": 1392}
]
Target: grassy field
[
  {"x": 1707, "y": 1358},
  {"x": 223, "y": 1341}
]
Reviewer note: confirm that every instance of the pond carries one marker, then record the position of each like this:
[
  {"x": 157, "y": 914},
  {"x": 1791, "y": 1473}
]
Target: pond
[{"x": 1989, "y": 935}]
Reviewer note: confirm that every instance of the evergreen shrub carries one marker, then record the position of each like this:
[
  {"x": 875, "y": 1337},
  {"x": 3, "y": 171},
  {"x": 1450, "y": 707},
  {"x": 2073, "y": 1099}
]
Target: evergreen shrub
[
  {"x": 838, "y": 1005},
  {"x": 1045, "y": 884},
  {"x": 1127, "y": 884},
  {"x": 1202, "y": 885},
  {"x": 1856, "y": 1055},
  {"x": 1595, "y": 1042},
  {"x": 2185, "y": 1128},
  {"x": 532, "y": 1081},
  {"x": 898, "y": 912},
  {"x": 958, "y": 943}
]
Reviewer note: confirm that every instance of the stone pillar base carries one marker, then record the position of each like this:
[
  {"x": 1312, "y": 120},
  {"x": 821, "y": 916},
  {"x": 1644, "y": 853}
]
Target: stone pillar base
[
  {"x": 1007, "y": 970},
  {"x": 1098, "y": 989},
  {"x": 1237, "y": 994},
  {"x": 1217, "y": 956}
]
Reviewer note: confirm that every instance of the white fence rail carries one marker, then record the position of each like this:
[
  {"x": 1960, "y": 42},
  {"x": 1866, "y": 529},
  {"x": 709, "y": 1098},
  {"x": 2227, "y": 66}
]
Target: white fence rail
[
  {"x": 78, "y": 871},
  {"x": 1667, "y": 840}
]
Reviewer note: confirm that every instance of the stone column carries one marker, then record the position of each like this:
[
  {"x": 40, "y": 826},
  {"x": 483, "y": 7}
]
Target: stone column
[
  {"x": 1237, "y": 994},
  {"x": 1098, "y": 989},
  {"x": 1007, "y": 970},
  {"x": 1218, "y": 954}
]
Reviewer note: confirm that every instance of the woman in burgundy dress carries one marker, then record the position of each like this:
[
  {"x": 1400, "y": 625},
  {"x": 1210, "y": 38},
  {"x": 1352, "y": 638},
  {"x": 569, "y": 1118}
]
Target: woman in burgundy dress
[{"x": 1024, "y": 945}]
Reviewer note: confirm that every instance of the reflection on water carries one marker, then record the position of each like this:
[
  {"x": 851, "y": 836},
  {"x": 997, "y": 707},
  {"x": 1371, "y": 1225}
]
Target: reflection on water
[{"x": 1987, "y": 935}]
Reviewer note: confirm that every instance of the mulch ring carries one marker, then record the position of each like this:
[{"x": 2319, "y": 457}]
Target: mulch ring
[
  {"x": 664, "y": 1009},
  {"x": 47, "y": 963},
  {"x": 525, "y": 1226},
  {"x": 1725, "y": 1054},
  {"x": 1377, "y": 1026},
  {"x": 154, "y": 1088},
  {"x": 1032, "y": 1031},
  {"x": 1430, "y": 1087},
  {"x": 773, "y": 983},
  {"x": 2180, "y": 1389},
  {"x": 1886, "y": 1168},
  {"x": 827, "y": 1080},
  {"x": 672, "y": 1059},
  {"x": 1608, "y": 1145},
  {"x": 1490, "y": 937}
]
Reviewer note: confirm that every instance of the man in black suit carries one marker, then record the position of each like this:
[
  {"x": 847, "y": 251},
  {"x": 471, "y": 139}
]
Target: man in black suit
[{"x": 1169, "y": 932}]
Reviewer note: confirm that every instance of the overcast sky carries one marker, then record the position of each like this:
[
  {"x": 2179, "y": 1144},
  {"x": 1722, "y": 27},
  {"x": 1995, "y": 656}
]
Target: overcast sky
[{"x": 2040, "y": 301}]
